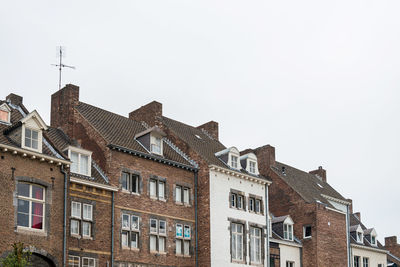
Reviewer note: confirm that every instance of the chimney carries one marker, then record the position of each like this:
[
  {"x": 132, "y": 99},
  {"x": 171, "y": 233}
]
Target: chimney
[
  {"x": 351, "y": 205},
  {"x": 211, "y": 127},
  {"x": 150, "y": 114},
  {"x": 265, "y": 158},
  {"x": 358, "y": 215},
  {"x": 62, "y": 111},
  {"x": 390, "y": 241},
  {"x": 320, "y": 172},
  {"x": 14, "y": 99}
]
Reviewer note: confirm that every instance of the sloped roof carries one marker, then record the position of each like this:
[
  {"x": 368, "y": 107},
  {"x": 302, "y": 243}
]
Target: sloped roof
[
  {"x": 308, "y": 186},
  {"x": 354, "y": 222},
  {"x": 120, "y": 131}
]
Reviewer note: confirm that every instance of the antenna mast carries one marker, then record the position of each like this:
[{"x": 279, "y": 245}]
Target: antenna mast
[{"x": 61, "y": 54}]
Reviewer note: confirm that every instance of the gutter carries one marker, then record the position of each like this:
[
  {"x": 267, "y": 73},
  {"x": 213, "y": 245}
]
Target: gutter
[
  {"x": 65, "y": 216},
  {"x": 267, "y": 225},
  {"x": 196, "y": 217},
  {"x": 112, "y": 229}
]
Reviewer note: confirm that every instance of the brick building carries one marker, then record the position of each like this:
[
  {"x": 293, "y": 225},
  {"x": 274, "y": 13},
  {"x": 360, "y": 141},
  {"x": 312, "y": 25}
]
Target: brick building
[
  {"x": 153, "y": 219},
  {"x": 393, "y": 247},
  {"x": 320, "y": 212},
  {"x": 32, "y": 178},
  {"x": 228, "y": 185}
]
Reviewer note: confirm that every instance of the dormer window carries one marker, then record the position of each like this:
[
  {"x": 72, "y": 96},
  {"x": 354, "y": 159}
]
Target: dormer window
[
  {"x": 81, "y": 161},
  {"x": 31, "y": 139},
  {"x": 373, "y": 240},
  {"x": 5, "y": 113},
  {"x": 288, "y": 231},
  {"x": 155, "y": 146},
  {"x": 359, "y": 237},
  {"x": 234, "y": 161},
  {"x": 249, "y": 163},
  {"x": 252, "y": 167}
]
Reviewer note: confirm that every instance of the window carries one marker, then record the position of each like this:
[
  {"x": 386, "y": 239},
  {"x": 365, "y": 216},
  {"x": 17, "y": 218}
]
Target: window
[
  {"x": 365, "y": 262},
  {"x": 237, "y": 201},
  {"x": 130, "y": 182},
  {"x": 80, "y": 163},
  {"x": 130, "y": 231},
  {"x": 288, "y": 231},
  {"x": 88, "y": 262},
  {"x": 357, "y": 262},
  {"x": 255, "y": 245},
  {"x": 289, "y": 264},
  {"x": 359, "y": 237},
  {"x": 31, "y": 206},
  {"x": 183, "y": 237},
  {"x": 234, "y": 162},
  {"x": 81, "y": 219},
  {"x": 307, "y": 231},
  {"x": 158, "y": 233},
  {"x": 255, "y": 205},
  {"x": 4, "y": 113},
  {"x": 155, "y": 146},
  {"x": 31, "y": 139},
  {"x": 157, "y": 189},
  {"x": 73, "y": 261},
  {"x": 237, "y": 241},
  {"x": 373, "y": 240},
  {"x": 252, "y": 166}
]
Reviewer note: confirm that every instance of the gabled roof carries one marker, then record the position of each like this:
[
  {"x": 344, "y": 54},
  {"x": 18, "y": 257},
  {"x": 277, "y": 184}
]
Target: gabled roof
[
  {"x": 119, "y": 131},
  {"x": 355, "y": 224},
  {"x": 308, "y": 186}
]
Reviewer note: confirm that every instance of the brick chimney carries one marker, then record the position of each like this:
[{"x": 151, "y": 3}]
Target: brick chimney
[
  {"x": 358, "y": 215},
  {"x": 392, "y": 245},
  {"x": 320, "y": 172},
  {"x": 14, "y": 99},
  {"x": 351, "y": 205},
  {"x": 150, "y": 114},
  {"x": 62, "y": 108},
  {"x": 211, "y": 127},
  {"x": 265, "y": 157}
]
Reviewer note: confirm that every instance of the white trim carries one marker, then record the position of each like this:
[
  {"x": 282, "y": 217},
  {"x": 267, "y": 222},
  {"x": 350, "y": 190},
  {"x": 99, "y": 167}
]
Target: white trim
[
  {"x": 336, "y": 199},
  {"x": 239, "y": 175},
  {"x": 285, "y": 242},
  {"x": 94, "y": 184},
  {"x": 369, "y": 248},
  {"x": 39, "y": 140},
  {"x": 35, "y": 116},
  {"x": 6, "y": 108},
  {"x": 81, "y": 151},
  {"x": 34, "y": 155}
]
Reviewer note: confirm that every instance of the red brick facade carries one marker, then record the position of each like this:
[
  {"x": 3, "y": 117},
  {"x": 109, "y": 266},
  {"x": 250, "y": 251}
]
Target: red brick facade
[{"x": 392, "y": 245}]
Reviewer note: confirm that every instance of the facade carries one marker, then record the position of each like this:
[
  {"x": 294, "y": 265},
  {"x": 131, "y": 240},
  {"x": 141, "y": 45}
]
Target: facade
[
  {"x": 224, "y": 177},
  {"x": 393, "y": 249},
  {"x": 32, "y": 182},
  {"x": 153, "y": 211},
  {"x": 365, "y": 248},
  {"x": 319, "y": 211}
]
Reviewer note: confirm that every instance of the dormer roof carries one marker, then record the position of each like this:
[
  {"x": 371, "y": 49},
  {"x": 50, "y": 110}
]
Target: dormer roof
[
  {"x": 35, "y": 118},
  {"x": 153, "y": 130}
]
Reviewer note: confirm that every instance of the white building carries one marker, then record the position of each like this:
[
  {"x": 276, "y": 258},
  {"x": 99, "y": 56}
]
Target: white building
[{"x": 237, "y": 211}]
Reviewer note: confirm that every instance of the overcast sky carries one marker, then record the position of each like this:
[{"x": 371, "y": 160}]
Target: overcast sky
[{"x": 319, "y": 80}]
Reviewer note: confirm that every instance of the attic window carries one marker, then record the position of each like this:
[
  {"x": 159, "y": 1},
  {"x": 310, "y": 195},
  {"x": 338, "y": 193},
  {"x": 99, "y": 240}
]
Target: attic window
[
  {"x": 359, "y": 237},
  {"x": 373, "y": 240},
  {"x": 155, "y": 145},
  {"x": 81, "y": 161},
  {"x": 4, "y": 113},
  {"x": 31, "y": 139},
  {"x": 288, "y": 231},
  {"x": 252, "y": 166},
  {"x": 234, "y": 162}
]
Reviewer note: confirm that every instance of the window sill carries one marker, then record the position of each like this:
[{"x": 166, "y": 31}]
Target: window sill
[
  {"x": 158, "y": 253},
  {"x": 239, "y": 261},
  {"x": 183, "y": 256},
  {"x": 307, "y": 237},
  {"x": 76, "y": 236},
  {"x": 256, "y": 264},
  {"x": 131, "y": 249},
  {"x": 30, "y": 231},
  {"x": 129, "y": 192},
  {"x": 87, "y": 238}
]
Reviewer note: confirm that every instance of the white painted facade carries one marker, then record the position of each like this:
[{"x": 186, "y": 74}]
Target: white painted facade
[
  {"x": 376, "y": 256},
  {"x": 289, "y": 252},
  {"x": 221, "y": 182}
]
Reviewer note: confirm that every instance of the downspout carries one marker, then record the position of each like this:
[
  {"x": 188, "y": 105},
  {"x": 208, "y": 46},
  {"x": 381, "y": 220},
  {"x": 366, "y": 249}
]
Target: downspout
[
  {"x": 112, "y": 229},
  {"x": 301, "y": 257},
  {"x": 65, "y": 216},
  {"x": 267, "y": 225},
  {"x": 347, "y": 238},
  {"x": 196, "y": 217}
]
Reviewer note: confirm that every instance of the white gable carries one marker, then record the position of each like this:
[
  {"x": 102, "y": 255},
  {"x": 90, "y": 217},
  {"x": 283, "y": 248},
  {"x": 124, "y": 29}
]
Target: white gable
[{"x": 34, "y": 121}]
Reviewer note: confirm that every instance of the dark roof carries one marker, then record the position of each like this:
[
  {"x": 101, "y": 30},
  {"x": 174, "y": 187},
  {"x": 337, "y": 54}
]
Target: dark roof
[
  {"x": 276, "y": 235},
  {"x": 120, "y": 131},
  {"x": 201, "y": 141},
  {"x": 354, "y": 222},
  {"x": 279, "y": 219},
  {"x": 308, "y": 186}
]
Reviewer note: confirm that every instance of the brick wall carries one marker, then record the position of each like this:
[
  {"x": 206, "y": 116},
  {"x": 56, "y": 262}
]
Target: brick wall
[
  {"x": 49, "y": 242},
  {"x": 392, "y": 245}
]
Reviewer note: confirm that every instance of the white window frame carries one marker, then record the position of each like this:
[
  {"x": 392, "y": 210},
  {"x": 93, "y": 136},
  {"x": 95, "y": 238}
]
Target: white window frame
[
  {"x": 235, "y": 234},
  {"x": 81, "y": 219},
  {"x": 365, "y": 262},
  {"x": 288, "y": 231},
  {"x": 158, "y": 182},
  {"x": 39, "y": 139},
  {"x": 183, "y": 239},
  {"x": 4, "y": 107},
  {"x": 130, "y": 230},
  {"x": 359, "y": 236},
  {"x": 81, "y": 152},
  {"x": 255, "y": 240},
  {"x": 304, "y": 231},
  {"x": 252, "y": 167},
  {"x": 31, "y": 200},
  {"x": 160, "y": 237},
  {"x": 234, "y": 161},
  {"x": 290, "y": 264},
  {"x": 73, "y": 258},
  {"x": 156, "y": 142},
  {"x": 373, "y": 240},
  {"x": 89, "y": 259},
  {"x": 130, "y": 181}
]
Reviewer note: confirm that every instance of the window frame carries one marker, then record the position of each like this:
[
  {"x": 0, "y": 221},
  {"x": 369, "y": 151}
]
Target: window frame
[
  {"x": 4, "y": 107},
  {"x": 305, "y": 231},
  {"x": 159, "y": 237},
  {"x": 80, "y": 152},
  {"x": 154, "y": 143},
  {"x": 183, "y": 240},
  {"x": 88, "y": 265},
  {"x": 81, "y": 220},
  {"x": 30, "y": 201},
  {"x": 158, "y": 181},
  {"x": 235, "y": 242},
  {"x": 234, "y": 161},
  {"x": 365, "y": 262},
  {"x": 288, "y": 232},
  {"x": 130, "y": 231},
  {"x": 74, "y": 264},
  {"x": 290, "y": 264},
  {"x": 131, "y": 176},
  {"x": 252, "y": 245},
  {"x": 236, "y": 197}
]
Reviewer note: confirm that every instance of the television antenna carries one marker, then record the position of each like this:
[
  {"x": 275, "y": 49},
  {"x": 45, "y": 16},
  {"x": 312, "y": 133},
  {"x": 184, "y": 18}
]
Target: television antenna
[{"x": 61, "y": 54}]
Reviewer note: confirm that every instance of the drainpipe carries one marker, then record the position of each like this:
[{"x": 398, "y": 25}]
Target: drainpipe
[
  {"x": 301, "y": 257},
  {"x": 347, "y": 237},
  {"x": 196, "y": 216},
  {"x": 267, "y": 225},
  {"x": 112, "y": 229},
  {"x": 65, "y": 216}
]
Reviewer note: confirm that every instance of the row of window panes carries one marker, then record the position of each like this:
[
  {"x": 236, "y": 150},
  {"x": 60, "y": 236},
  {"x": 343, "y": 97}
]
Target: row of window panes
[
  {"x": 287, "y": 231},
  {"x": 357, "y": 261},
  {"x": 234, "y": 164},
  {"x": 237, "y": 243},
  {"x": 31, "y": 203},
  {"x": 182, "y": 194},
  {"x": 237, "y": 201},
  {"x": 81, "y": 221},
  {"x": 75, "y": 261},
  {"x": 80, "y": 163}
]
